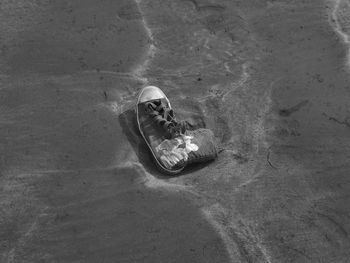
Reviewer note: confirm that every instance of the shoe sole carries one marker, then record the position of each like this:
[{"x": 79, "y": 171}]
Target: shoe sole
[{"x": 158, "y": 163}]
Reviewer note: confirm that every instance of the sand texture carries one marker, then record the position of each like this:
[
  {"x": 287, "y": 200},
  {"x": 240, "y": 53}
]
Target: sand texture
[{"x": 269, "y": 78}]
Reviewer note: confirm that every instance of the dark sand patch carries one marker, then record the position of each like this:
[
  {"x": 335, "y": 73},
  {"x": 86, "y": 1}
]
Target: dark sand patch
[
  {"x": 62, "y": 122},
  {"x": 108, "y": 216},
  {"x": 63, "y": 36}
]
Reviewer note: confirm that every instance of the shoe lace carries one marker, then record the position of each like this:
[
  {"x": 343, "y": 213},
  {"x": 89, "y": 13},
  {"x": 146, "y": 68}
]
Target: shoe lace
[{"x": 165, "y": 118}]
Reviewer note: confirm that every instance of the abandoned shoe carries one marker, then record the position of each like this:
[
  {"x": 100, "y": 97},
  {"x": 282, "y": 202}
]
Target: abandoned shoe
[
  {"x": 172, "y": 143},
  {"x": 164, "y": 135}
]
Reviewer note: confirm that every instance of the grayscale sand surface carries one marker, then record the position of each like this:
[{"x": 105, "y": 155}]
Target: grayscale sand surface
[{"x": 270, "y": 78}]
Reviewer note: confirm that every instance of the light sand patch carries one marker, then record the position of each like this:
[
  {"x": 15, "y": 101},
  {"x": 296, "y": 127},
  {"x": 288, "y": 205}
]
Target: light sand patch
[
  {"x": 140, "y": 69},
  {"x": 340, "y": 21},
  {"x": 240, "y": 240},
  {"x": 153, "y": 182}
]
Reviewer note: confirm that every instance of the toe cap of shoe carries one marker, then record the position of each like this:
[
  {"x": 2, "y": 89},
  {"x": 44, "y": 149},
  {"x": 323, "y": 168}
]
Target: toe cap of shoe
[{"x": 150, "y": 93}]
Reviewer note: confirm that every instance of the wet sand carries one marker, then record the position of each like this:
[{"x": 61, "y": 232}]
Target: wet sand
[{"x": 270, "y": 78}]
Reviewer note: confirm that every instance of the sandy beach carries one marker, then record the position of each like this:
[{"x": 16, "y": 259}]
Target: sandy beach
[{"x": 269, "y": 78}]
